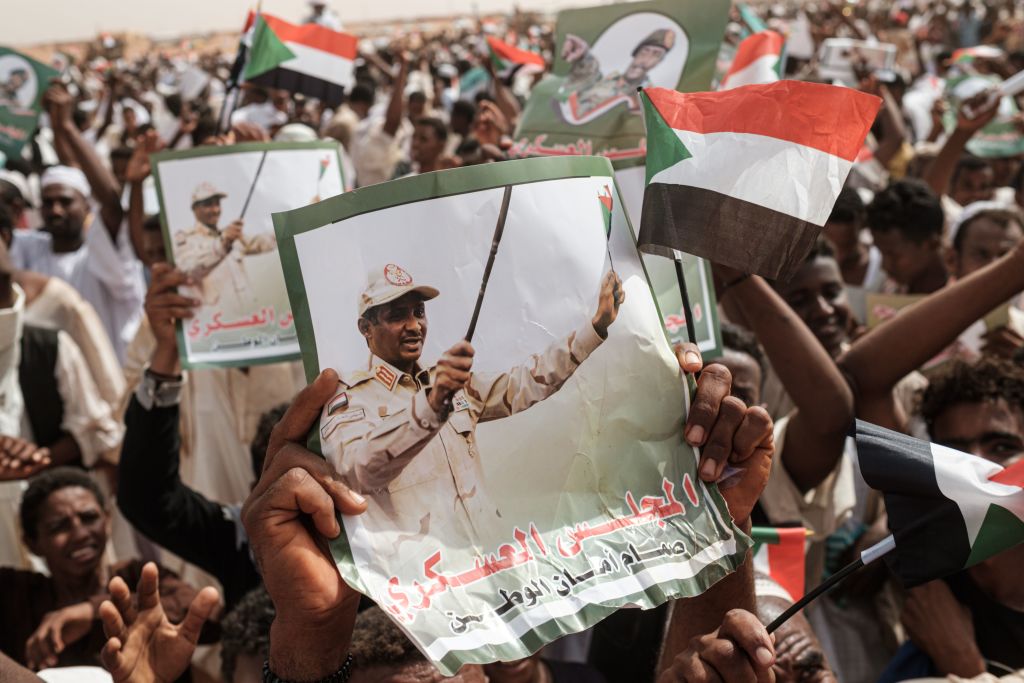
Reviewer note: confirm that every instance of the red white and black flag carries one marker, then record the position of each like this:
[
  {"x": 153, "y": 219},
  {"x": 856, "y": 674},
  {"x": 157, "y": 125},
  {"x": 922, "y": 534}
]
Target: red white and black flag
[
  {"x": 948, "y": 510},
  {"x": 308, "y": 59}
]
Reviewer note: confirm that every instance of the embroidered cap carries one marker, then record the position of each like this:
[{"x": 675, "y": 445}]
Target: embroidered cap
[{"x": 389, "y": 283}]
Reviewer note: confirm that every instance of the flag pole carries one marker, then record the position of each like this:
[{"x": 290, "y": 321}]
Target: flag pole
[
  {"x": 498, "y": 230},
  {"x": 691, "y": 331},
  {"x": 868, "y": 556},
  {"x": 248, "y": 197}
]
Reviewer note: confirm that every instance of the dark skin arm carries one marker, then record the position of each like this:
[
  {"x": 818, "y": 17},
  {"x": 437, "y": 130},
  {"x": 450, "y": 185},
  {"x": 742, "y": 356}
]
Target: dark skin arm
[
  {"x": 880, "y": 359},
  {"x": 940, "y": 174},
  {"x": 104, "y": 186},
  {"x": 136, "y": 173},
  {"x": 396, "y": 106},
  {"x": 824, "y": 401},
  {"x": 692, "y": 619}
]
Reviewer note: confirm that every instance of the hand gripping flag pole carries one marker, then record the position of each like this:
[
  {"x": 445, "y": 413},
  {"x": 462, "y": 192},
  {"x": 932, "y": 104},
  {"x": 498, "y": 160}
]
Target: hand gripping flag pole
[{"x": 498, "y": 230}]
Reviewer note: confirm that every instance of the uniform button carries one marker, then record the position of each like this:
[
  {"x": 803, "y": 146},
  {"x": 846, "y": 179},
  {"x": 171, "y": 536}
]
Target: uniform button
[{"x": 424, "y": 424}]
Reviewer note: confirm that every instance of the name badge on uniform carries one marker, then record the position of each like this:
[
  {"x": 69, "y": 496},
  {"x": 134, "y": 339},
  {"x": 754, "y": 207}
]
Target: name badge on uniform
[
  {"x": 344, "y": 418},
  {"x": 459, "y": 402}
]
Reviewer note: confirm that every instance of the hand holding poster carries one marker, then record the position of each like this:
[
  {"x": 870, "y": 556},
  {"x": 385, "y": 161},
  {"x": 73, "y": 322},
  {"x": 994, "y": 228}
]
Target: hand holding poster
[
  {"x": 215, "y": 208},
  {"x": 589, "y": 103},
  {"x": 526, "y": 486}
]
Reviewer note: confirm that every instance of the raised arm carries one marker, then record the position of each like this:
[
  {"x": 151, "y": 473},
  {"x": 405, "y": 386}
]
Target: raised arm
[
  {"x": 135, "y": 174},
  {"x": 396, "y": 106},
  {"x": 940, "y": 173},
  {"x": 104, "y": 186},
  {"x": 881, "y": 358},
  {"x": 824, "y": 402}
]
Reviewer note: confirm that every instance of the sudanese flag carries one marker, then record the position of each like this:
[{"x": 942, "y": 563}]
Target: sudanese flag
[{"x": 948, "y": 510}]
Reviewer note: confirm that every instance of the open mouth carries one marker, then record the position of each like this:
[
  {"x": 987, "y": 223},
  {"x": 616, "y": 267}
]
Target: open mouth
[{"x": 85, "y": 554}]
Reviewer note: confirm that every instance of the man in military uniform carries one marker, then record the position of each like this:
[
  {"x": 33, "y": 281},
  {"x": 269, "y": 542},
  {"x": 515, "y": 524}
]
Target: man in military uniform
[
  {"x": 404, "y": 436},
  {"x": 587, "y": 94},
  {"x": 215, "y": 258}
]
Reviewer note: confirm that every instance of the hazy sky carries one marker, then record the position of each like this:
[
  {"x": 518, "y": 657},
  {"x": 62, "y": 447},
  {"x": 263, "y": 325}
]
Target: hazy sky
[{"x": 53, "y": 20}]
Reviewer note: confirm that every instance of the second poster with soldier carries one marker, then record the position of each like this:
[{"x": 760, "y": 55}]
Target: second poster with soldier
[
  {"x": 216, "y": 205},
  {"x": 508, "y": 403},
  {"x": 589, "y": 103}
]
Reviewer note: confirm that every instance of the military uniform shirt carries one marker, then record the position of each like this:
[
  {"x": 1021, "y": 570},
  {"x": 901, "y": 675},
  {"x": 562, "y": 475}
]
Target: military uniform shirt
[
  {"x": 199, "y": 252},
  {"x": 420, "y": 468}
]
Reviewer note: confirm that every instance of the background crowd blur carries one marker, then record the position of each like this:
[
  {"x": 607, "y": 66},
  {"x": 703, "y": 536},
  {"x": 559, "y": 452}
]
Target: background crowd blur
[{"x": 107, "y": 464}]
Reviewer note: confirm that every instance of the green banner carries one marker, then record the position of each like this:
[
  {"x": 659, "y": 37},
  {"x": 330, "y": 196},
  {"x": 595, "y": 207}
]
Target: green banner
[
  {"x": 589, "y": 104},
  {"x": 23, "y": 81},
  {"x": 555, "y": 487},
  {"x": 999, "y": 139},
  {"x": 215, "y": 209}
]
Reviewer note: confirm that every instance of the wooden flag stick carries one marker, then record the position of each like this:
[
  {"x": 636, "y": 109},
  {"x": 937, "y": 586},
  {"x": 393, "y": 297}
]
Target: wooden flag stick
[
  {"x": 498, "y": 230},
  {"x": 873, "y": 553},
  {"x": 248, "y": 197}
]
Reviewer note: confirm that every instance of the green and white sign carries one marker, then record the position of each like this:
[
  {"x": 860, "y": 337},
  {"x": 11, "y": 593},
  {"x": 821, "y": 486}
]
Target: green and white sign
[
  {"x": 215, "y": 207},
  {"x": 555, "y": 487},
  {"x": 589, "y": 103},
  {"x": 23, "y": 81}
]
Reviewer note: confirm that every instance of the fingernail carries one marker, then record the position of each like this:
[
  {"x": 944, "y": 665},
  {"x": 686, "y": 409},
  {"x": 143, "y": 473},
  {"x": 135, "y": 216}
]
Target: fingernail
[
  {"x": 707, "y": 470},
  {"x": 691, "y": 358},
  {"x": 695, "y": 435},
  {"x": 356, "y": 497},
  {"x": 764, "y": 656}
]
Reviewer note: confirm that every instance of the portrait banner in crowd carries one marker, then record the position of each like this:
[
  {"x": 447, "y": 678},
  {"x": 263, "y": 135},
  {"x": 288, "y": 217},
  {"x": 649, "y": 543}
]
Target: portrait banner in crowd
[
  {"x": 215, "y": 207},
  {"x": 23, "y": 81},
  {"x": 589, "y": 103},
  {"x": 553, "y": 488}
]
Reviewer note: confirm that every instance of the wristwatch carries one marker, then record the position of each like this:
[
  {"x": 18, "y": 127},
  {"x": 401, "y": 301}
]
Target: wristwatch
[
  {"x": 339, "y": 676},
  {"x": 160, "y": 391}
]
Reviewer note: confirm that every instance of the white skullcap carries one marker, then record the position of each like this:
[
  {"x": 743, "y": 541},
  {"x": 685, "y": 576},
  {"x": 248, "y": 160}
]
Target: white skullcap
[
  {"x": 295, "y": 132},
  {"x": 973, "y": 210},
  {"x": 65, "y": 175}
]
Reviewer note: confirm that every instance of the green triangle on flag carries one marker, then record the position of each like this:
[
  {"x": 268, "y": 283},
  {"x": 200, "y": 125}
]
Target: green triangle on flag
[
  {"x": 664, "y": 148},
  {"x": 1001, "y": 530},
  {"x": 267, "y": 51}
]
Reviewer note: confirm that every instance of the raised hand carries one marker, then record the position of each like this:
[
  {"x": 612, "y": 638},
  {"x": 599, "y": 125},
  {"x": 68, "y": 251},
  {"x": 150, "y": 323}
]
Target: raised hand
[
  {"x": 611, "y": 297},
  {"x": 739, "y": 650},
  {"x": 289, "y": 515},
  {"x": 20, "y": 459},
  {"x": 453, "y": 372},
  {"x": 143, "y": 646}
]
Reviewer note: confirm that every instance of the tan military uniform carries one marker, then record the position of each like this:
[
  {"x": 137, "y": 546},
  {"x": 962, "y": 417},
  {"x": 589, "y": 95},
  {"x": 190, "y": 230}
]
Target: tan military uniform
[
  {"x": 422, "y": 470},
  {"x": 199, "y": 252}
]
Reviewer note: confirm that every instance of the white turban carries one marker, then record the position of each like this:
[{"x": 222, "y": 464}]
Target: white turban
[
  {"x": 973, "y": 210},
  {"x": 68, "y": 176}
]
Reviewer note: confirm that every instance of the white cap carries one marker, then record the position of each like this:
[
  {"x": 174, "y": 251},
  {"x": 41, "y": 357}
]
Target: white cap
[
  {"x": 67, "y": 176},
  {"x": 389, "y": 283}
]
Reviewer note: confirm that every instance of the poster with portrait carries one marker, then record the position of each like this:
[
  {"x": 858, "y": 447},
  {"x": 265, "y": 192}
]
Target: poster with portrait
[
  {"x": 589, "y": 103},
  {"x": 215, "y": 207},
  {"x": 23, "y": 81},
  {"x": 554, "y": 486}
]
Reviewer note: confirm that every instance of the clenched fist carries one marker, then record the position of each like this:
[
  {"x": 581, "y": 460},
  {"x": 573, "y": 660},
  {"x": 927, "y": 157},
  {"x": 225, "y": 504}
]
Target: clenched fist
[{"x": 453, "y": 372}]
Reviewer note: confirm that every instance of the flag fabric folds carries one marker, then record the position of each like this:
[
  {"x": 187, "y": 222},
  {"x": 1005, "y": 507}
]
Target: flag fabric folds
[
  {"x": 948, "y": 510},
  {"x": 779, "y": 553},
  {"x": 758, "y": 60},
  {"x": 747, "y": 177},
  {"x": 308, "y": 59},
  {"x": 508, "y": 59}
]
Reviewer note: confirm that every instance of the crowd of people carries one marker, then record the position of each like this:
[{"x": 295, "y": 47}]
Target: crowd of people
[{"x": 169, "y": 525}]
